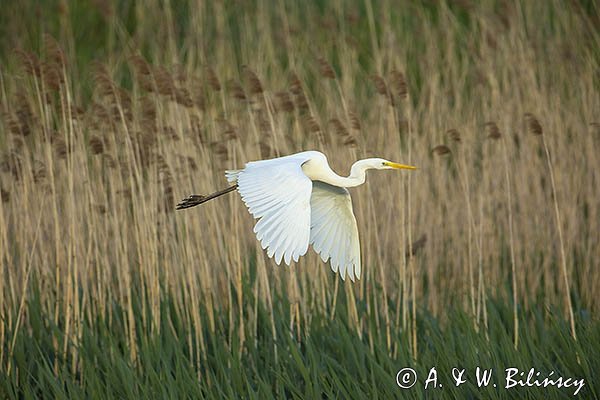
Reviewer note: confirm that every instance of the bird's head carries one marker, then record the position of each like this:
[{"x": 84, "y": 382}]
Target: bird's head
[
  {"x": 380, "y": 163},
  {"x": 360, "y": 167}
]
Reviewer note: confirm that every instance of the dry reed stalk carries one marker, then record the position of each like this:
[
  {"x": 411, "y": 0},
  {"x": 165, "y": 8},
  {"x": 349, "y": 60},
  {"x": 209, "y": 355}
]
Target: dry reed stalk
[
  {"x": 28, "y": 267},
  {"x": 535, "y": 128},
  {"x": 512, "y": 246},
  {"x": 352, "y": 310},
  {"x": 264, "y": 279},
  {"x": 387, "y": 321},
  {"x": 464, "y": 182},
  {"x": 400, "y": 90},
  {"x": 373, "y": 33},
  {"x": 481, "y": 288},
  {"x": 237, "y": 259},
  {"x": 4, "y": 275},
  {"x": 131, "y": 179},
  {"x": 494, "y": 134}
]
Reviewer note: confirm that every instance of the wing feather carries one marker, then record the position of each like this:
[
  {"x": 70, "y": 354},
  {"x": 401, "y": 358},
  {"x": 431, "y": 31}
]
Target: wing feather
[
  {"x": 277, "y": 192},
  {"x": 293, "y": 212},
  {"x": 333, "y": 231}
]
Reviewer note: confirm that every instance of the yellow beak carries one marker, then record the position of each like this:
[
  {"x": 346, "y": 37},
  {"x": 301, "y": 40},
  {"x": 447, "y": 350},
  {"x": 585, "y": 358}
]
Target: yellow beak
[{"x": 398, "y": 166}]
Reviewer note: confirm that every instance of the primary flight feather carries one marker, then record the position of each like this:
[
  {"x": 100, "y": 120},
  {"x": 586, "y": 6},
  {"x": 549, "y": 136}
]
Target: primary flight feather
[{"x": 299, "y": 201}]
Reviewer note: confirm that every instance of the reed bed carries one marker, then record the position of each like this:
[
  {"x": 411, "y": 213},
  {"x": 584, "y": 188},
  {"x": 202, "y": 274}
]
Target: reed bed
[{"x": 114, "y": 112}]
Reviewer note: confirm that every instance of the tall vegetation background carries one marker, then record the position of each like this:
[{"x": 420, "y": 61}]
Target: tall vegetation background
[{"x": 113, "y": 111}]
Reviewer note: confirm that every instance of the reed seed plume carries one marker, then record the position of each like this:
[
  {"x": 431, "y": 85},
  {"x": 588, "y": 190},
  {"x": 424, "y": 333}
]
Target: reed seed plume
[
  {"x": 311, "y": 124},
  {"x": 100, "y": 208},
  {"x": 284, "y": 101},
  {"x": 236, "y": 90},
  {"x": 255, "y": 85},
  {"x": 54, "y": 52},
  {"x": 299, "y": 95},
  {"x": 220, "y": 149},
  {"x": 339, "y": 128},
  {"x": 454, "y": 135},
  {"x": 165, "y": 84},
  {"x": 325, "y": 69},
  {"x": 416, "y": 246},
  {"x": 398, "y": 83},
  {"x": 493, "y": 131},
  {"x": 441, "y": 150},
  {"x": 183, "y": 97},
  {"x": 354, "y": 121},
  {"x": 143, "y": 73},
  {"x": 140, "y": 65},
  {"x": 228, "y": 130},
  {"x": 12, "y": 163},
  {"x": 103, "y": 83},
  {"x": 380, "y": 85},
  {"x": 198, "y": 96},
  {"x": 295, "y": 84},
  {"x": 30, "y": 62},
  {"x": 96, "y": 144},
  {"x": 51, "y": 76},
  {"x": 165, "y": 180},
  {"x": 533, "y": 125},
  {"x": 15, "y": 126},
  {"x": 4, "y": 195},
  {"x": 60, "y": 148},
  {"x": 212, "y": 79},
  {"x": 39, "y": 172},
  {"x": 25, "y": 118}
]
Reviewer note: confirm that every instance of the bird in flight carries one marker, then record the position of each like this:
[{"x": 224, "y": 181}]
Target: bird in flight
[{"x": 298, "y": 200}]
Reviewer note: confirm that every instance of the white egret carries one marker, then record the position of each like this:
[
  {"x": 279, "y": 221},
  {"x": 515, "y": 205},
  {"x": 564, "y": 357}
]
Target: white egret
[{"x": 299, "y": 200}]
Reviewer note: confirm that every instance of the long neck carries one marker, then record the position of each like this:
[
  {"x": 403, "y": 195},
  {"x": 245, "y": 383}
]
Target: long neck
[{"x": 357, "y": 175}]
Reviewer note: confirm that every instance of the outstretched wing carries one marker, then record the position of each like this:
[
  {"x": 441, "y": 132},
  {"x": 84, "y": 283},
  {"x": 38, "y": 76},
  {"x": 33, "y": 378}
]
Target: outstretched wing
[
  {"x": 333, "y": 230},
  {"x": 278, "y": 192}
]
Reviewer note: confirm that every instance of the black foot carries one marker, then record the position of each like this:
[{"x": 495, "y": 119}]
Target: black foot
[{"x": 191, "y": 201}]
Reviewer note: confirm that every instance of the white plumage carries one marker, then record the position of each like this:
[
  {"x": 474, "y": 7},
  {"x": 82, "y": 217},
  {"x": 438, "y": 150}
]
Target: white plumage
[
  {"x": 298, "y": 200},
  {"x": 333, "y": 230},
  {"x": 278, "y": 192}
]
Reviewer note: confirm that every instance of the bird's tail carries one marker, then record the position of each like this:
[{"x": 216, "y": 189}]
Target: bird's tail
[
  {"x": 197, "y": 199},
  {"x": 232, "y": 175}
]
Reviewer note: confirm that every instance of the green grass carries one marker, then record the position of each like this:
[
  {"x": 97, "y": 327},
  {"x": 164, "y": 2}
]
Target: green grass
[{"x": 332, "y": 361}]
